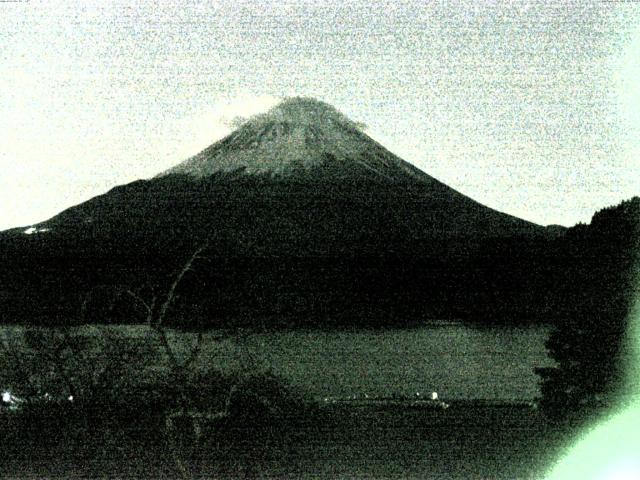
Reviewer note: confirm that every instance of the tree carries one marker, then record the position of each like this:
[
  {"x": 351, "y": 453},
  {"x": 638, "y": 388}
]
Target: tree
[
  {"x": 156, "y": 310},
  {"x": 185, "y": 423},
  {"x": 87, "y": 386},
  {"x": 596, "y": 268},
  {"x": 95, "y": 367}
]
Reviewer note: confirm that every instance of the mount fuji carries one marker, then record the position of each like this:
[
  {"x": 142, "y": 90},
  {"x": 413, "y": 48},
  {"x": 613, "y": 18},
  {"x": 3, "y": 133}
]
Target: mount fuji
[{"x": 303, "y": 215}]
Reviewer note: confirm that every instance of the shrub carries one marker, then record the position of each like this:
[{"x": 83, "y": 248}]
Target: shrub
[
  {"x": 124, "y": 421},
  {"x": 88, "y": 364}
]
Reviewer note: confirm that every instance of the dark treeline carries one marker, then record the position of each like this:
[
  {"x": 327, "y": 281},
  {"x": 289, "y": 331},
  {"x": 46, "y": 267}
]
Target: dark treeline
[
  {"x": 330, "y": 258},
  {"x": 505, "y": 284},
  {"x": 597, "y": 282}
]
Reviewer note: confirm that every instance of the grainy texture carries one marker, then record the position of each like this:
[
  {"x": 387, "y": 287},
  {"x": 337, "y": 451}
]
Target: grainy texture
[
  {"x": 510, "y": 116},
  {"x": 529, "y": 106}
]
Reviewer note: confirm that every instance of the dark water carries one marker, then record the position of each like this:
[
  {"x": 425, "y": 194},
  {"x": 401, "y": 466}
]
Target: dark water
[
  {"x": 457, "y": 361},
  {"x": 454, "y": 360}
]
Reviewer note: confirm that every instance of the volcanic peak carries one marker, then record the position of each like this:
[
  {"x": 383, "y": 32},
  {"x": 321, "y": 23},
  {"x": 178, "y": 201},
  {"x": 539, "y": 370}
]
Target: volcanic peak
[
  {"x": 303, "y": 111},
  {"x": 296, "y": 136}
]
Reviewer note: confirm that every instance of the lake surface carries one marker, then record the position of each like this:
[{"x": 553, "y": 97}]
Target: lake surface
[{"x": 457, "y": 361}]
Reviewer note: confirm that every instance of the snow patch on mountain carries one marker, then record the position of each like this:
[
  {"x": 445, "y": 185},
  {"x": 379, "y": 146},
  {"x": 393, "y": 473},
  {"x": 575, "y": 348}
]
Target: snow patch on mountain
[{"x": 297, "y": 135}]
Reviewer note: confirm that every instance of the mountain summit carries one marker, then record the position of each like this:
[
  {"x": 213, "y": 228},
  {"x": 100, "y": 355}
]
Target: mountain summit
[{"x": 298, "y": 136}]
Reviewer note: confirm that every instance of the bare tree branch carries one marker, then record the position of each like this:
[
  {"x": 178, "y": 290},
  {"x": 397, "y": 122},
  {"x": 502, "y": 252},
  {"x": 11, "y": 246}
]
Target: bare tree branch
[
  {"x": 171, "y": 293},
  {"x": 195, "y": 351},
  {"x": 166, "y": 345},
  {"x": 155, "y": 319},
  {"x": 148, "y": 307},
  {"x": 58, "y": 362},
  {"x": 118, "y": 290}
]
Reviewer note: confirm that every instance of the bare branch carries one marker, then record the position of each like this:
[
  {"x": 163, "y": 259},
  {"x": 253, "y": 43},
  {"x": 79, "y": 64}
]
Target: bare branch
[
  {"x": 171, "y": 293},
  {"x": 164, "y": 340},
  {"x": 116, "y": 291},
  {"x": 155, "y": 318},
  {"x": 83, "y": 308},
  {"x": 195, "y": 351},
  {"x": 139, "y": 299},
  {"x": 58, "y": 362},
  {"x": 170, "y": 429},
  {"x": 152, "y": 307}
]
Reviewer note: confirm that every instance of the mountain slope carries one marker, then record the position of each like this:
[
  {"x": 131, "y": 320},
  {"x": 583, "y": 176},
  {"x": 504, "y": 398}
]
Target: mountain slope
[
  {"x": 303, "y": 213},
  {"x": 302, "y": 170},
  {"x": 294, "y": 138}
]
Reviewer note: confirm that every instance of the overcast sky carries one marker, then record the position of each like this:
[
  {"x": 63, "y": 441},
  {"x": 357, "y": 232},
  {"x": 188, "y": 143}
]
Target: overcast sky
[{"x": 532, "y": 108}]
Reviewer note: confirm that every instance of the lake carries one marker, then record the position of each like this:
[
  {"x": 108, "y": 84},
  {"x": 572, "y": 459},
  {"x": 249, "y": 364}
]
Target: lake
[{"x": 455, "y": 360}]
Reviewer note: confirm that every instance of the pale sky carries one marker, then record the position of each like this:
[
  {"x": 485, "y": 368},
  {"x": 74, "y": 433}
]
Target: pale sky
[{"x": 530, "y": 107}]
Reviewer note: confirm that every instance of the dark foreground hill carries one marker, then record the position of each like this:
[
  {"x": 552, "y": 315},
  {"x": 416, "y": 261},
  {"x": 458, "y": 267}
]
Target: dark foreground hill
[{"x": 305, "y": 218}]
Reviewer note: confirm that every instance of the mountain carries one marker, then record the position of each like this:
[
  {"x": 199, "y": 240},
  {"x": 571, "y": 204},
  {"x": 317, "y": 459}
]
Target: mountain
[
  {"x": 297, "y": 138},
  {"x": 304, "y": 215},
  {"x": 306, "y": 142}
]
